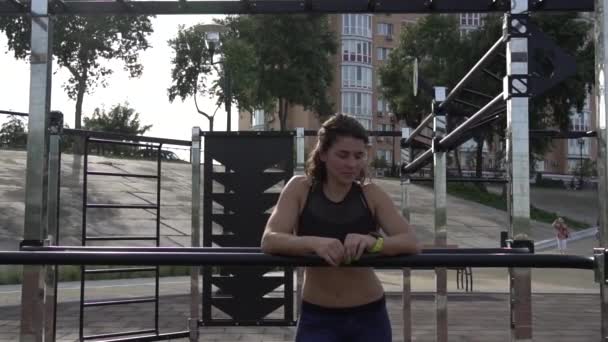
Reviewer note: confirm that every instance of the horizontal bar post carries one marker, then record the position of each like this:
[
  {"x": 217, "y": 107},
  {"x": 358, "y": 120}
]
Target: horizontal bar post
[
  {"x": 120, "y": 302},
  {"x": 126, "y": 333},
  {"x": 118, "y": 136},
  {"x": 248, "y": 249},
  {"x": 121, "y": 238},
  {"x": 117, "y": 174},
  {"x": 120, "y": 270},
  {"x": 260, "y": 259},
  {"x": 122, "y": 206}
]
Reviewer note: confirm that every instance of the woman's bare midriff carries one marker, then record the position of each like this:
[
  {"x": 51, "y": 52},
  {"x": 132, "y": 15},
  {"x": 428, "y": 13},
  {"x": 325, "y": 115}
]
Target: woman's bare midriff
[{"x": 341, "y": 287}]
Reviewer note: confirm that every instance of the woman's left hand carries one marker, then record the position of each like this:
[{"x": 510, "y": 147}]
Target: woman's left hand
[{"x": 355, "y": 245}]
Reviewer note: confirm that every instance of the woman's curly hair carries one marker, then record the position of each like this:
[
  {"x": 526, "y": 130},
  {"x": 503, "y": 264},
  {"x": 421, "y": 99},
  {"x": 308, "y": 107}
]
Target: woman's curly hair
[{"x": 338, "y": 125}]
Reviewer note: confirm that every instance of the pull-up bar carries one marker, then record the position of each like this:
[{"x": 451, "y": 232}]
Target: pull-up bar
[{"x": 260, "y": 259}]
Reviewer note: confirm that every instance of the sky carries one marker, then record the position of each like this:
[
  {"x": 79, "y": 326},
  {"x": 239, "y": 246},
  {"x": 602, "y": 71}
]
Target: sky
[{"x": 146, "y": 94}]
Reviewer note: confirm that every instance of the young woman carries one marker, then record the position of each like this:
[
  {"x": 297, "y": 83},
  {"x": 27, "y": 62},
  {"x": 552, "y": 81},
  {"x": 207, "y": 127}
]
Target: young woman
[{"x": 335, "y": 214}]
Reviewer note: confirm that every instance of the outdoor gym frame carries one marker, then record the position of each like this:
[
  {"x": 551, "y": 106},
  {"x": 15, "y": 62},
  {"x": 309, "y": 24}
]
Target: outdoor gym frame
[{"x": 515, "y": 93}]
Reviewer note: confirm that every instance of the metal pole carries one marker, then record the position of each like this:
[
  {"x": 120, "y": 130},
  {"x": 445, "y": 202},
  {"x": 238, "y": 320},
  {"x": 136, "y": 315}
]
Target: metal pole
[
  {"x": 52, "y": 217},
  {"x": 300, "y": 165},
  {"x": 406, "y": 156},
  {"x": 517, "y": 95},
  {"x": 601, "y": 61},
  {"x": 440, "y": 193},
  {"x": 35, "y": 229},
  {"x": 195, "y": 156}
]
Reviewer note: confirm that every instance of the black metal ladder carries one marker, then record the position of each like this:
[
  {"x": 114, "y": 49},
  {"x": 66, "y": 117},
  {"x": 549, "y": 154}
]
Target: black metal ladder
[{"x": 84, "y": 271}]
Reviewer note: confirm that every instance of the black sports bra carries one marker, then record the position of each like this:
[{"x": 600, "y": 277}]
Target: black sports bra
[{"x": 325, "y": 218}]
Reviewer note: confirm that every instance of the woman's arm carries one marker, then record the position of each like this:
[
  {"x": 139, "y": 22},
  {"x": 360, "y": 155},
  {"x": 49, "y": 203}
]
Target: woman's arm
[{"x": 400, "y": 238}]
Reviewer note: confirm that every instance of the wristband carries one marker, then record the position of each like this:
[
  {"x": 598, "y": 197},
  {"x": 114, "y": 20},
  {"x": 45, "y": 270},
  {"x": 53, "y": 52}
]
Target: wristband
[{"x": 377, "y": 247}]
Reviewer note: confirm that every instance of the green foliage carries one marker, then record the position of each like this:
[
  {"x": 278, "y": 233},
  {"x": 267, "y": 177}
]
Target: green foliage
[
  {"x": 119, "y": 119},
  {"x": 81, "y": 43},
  {"x": 13, "y": 133},
  {"x": 280, "y": 61}
]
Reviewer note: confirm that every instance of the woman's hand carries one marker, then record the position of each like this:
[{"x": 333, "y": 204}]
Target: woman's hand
[
  {"x": 331, "y": 250},
  {"x": 355, "y": 245}
]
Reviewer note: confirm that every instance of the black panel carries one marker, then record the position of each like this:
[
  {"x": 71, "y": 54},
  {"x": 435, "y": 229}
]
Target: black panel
[{"x": 254, "y": 164}]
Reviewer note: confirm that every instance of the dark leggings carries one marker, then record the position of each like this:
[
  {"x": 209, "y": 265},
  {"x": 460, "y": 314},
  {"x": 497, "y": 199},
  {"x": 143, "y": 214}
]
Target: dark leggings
[{"x": 365, "y": 323}]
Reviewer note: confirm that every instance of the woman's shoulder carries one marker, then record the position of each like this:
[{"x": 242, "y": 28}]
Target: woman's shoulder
[
  {"x": 299, "y": 183},
  {"x": 370, "y": 190}
]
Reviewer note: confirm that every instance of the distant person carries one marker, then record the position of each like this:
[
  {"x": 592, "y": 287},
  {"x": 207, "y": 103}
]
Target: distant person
[{"x": 562, "y": 234}]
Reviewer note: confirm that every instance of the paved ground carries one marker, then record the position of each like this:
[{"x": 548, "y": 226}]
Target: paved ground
[{"x": 472, "y": 317}]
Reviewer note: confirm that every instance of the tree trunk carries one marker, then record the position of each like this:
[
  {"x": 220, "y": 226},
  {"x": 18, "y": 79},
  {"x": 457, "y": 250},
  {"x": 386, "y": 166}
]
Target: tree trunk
[
  {"x": 82, "y": 87},
  {"x": 479, "y": 162},
  {"x": 283, "y": 108},
  {"x": 210, "y": 123},
  {"x": 457, "y": 159}
]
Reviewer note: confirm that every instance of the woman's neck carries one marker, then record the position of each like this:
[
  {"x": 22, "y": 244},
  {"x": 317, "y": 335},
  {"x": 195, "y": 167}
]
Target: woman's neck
[{"x": 336, "y": 191}]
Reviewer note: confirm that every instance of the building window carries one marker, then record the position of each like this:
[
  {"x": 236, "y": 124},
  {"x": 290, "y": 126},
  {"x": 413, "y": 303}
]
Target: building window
[
  {"x": 382, "y": 53},
  {"x": 382, "y": 106},
  {"x": 471, "y": 19},
  {"x": 356, "y": 51},
  {"x": 366, "y": 123},
  {"x": 385, "y": 29},
  {"x": 354, "y": 76},
  {"x": 357, "y": 24},
  {"x": 384, "y": 154},
  {"x": 357, "y": 104},
  {"x": 259, "y": 120}
]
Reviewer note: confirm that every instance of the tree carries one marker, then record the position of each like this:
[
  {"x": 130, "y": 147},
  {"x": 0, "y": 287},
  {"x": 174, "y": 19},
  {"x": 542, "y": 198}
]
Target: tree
[
  {"x": 13, "y": 133},
  {"x": 191, "y": 66},
  {"x": 119, "y": 119},
  {"x": 280, "y": 61},
  {"x": 80, "y": 43}
]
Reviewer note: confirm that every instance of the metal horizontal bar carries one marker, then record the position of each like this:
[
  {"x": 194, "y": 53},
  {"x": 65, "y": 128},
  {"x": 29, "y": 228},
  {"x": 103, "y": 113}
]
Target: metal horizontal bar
[
  {"x": 298, "y": 6},
  {"x": 313, "y": 133},
  {"x": 244, "y": 250},
  {"x": 119, "y": 142},
  {"x": 423, "y": 124},
  {"x": 119, "y": 136},
  {"x": 479, "y": 65},
  {"x": 117, "y": 174},
  {"x": 155, "y": 337},
  {"x": 478, "y": 93},
  {"x": 122, "y": 206},
  {"x": 264, "y": 323},
  {"x": 553, "y": 134},
  {"x": 260, "y": 259},
  {"x": 121, "y": 238},
  {"x": 9, "y": 112},
  {"x": 120, "y": 270},
  {"x": 127, "y": 333},
  {"x": 419, "y": 161},
  {"x": 475, "y": 118},
  {"x": 269, "y": 134},
  {"x": 120, "y": 302},
  {"x": 463, "y": 180}
]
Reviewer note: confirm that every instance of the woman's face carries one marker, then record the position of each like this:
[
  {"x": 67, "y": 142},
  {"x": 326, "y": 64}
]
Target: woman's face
[{"x": 345, "y": 159}]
